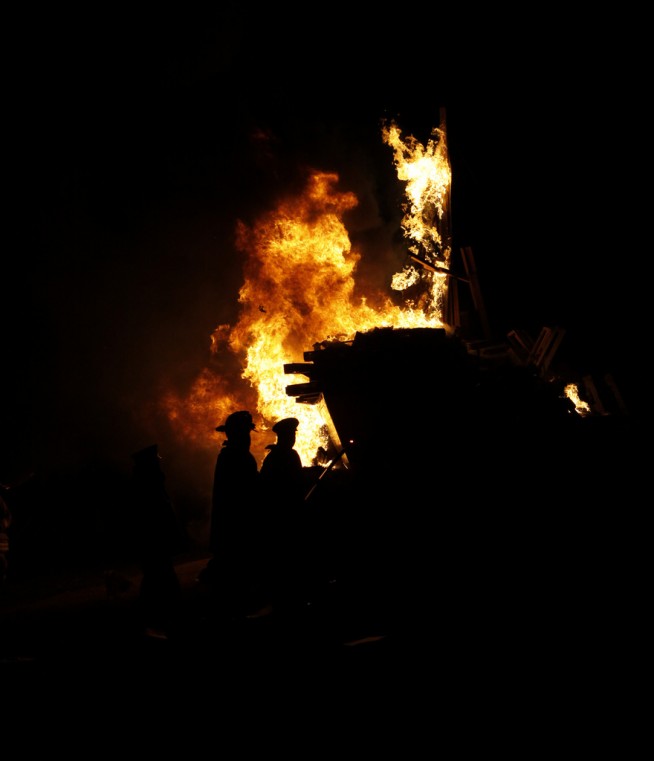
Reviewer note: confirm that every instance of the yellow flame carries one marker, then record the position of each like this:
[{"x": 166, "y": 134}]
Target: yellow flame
[
  {"x": 299, "y": 289},
  {"x": 428, "y": 176},
  {"x": 571, "y": 391}
]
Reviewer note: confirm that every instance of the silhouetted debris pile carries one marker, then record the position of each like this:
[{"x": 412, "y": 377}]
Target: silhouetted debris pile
[
  {"x": 466, "y": 482},
  {"x": 421, "y": 390}
]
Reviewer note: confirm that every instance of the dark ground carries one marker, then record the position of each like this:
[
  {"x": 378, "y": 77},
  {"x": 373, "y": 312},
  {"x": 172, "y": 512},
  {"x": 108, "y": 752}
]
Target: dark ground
[
  {"x": 75, "y": 655},
  {"x": 74, "y": 624},
  {"x": 520, "y": 666},
  {"x": 78, "y": 619},
  {"x": 516, "y": 623}
]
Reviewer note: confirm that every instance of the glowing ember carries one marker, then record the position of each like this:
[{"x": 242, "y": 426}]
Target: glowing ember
[{"x": 299, "y": 289}]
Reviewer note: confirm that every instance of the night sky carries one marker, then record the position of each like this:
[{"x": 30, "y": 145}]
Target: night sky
[{"x": 135, "y": 145}]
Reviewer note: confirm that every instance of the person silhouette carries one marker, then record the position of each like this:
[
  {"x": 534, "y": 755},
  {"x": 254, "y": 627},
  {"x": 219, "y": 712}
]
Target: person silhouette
[
  {"x": 159, "y": 538},
  {"x": 282, "y": 485},
  {"x": 281, "y": 469},
  {"x": 234, "y": 569}
]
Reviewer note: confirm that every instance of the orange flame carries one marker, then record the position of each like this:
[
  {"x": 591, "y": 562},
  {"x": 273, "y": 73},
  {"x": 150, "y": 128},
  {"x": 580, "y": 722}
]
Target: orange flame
[{"x": 299, "y": 289}]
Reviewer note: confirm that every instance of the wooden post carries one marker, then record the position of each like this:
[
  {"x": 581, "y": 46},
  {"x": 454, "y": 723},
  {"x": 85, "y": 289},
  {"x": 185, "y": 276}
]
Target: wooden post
[
  {"x": 545, "y": 347},
  {"x": 453, "y": 312},
  {"x": 610, "y": 382},
  {"x": 591, "y": 391},
  {"x": 475, "y": 290}
]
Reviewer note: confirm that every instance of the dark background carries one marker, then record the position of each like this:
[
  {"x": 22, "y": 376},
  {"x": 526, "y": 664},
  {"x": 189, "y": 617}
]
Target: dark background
[{"x": 137, "y": 140}]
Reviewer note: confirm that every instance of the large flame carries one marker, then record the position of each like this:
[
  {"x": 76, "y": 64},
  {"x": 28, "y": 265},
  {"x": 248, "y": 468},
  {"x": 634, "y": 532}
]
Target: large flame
[
  {"x": 299, "y": 289},
  {"x": 428, "y": 176}
]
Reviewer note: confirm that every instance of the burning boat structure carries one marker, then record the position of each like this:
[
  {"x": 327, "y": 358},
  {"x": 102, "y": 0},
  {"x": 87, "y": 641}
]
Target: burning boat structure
[
  {"x": 436, "y": 376},
  {"x": 435, "y": 384},
  {"x": 417, "y": 401}
]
